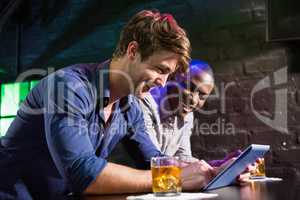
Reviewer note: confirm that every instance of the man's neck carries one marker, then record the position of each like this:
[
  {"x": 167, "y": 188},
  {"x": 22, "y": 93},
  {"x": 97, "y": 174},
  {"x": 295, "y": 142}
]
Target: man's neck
[
  {"x": 108, "y": 110},
  {"x": 118, "y": 84}
]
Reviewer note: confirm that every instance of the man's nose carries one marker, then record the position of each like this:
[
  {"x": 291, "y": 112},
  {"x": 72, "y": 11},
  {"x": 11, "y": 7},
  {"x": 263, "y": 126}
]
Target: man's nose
[{"x": 162, "y": 80}]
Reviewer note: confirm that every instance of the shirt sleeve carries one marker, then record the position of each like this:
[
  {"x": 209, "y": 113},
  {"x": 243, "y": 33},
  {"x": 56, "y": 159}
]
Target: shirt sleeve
[
  {"x": 184, "y": 148},
  {"x": 151, "y": 122},
  {"x": 67, "y": 102},
  {"x": 140, "y": 135}
]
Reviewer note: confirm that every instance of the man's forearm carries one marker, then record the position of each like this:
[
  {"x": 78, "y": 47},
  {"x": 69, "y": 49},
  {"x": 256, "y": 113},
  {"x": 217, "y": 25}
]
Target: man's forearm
[{"x": 116, "y": 179}]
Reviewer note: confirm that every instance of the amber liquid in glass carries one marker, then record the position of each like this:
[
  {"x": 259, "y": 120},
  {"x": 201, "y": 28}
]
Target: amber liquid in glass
[
  {"x": 260, "y": 169},
  {"x": 166, "y": 180}
]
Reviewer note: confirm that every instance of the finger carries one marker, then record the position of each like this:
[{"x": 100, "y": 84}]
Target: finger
[
  {"x": 244, "y": 177},
  {"x": 217, "y": 170},
  {"x": 258, "y": 160},
  {"x": 242, "y": 183},
  {"x": 204, "y": 163},
  {"x": 206, "y": 170},
  {"x": 250, "y": 168},
  {"x": 184, "y": 164}
]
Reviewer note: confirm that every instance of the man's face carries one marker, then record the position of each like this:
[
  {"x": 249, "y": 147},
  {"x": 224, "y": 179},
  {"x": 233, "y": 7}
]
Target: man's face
[
  {"x": 153, "y": 71},
  {"x": 190, "y": 92}
]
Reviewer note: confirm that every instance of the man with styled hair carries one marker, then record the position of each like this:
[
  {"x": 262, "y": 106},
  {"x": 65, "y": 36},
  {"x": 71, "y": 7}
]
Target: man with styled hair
[{"x": 86, "y": 110}]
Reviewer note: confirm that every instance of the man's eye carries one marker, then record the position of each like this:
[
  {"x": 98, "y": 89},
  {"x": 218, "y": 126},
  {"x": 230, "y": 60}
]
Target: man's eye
[
  {"x": 159, "y": 70},
  {"x": 202, "y": 96},
  {"x": 189, "y": 86},
  {"x": 193, "y": 87}
]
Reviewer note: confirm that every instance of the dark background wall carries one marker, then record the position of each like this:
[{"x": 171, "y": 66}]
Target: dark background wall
[
  {"x": 233, "y": 41},
  {"x": 230, "y": 35}
]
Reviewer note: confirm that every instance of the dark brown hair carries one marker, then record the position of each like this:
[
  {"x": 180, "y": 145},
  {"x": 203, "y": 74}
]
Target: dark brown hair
[{"x": 154, "y": 31}]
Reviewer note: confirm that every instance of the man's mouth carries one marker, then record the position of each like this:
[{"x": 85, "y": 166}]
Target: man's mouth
[{"x": 187, "y": 108}]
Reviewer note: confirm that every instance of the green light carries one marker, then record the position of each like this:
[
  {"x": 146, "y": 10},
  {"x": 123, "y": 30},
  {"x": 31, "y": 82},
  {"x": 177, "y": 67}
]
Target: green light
[
  {"x": 12, "y": 95},
  {"x": 33, "y": 83},
  {"x": 4, "y": 125}
]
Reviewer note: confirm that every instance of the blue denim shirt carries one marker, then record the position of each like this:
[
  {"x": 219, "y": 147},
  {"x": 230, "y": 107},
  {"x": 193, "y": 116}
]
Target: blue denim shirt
[{"x": 59, "y": 127}]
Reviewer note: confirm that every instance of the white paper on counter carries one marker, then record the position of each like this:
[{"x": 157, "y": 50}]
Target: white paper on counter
[{"x": 182, "y": 196}]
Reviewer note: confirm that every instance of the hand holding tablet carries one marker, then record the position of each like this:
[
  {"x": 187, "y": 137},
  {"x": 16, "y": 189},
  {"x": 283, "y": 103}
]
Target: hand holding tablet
[{"x": 229, "y": 174}]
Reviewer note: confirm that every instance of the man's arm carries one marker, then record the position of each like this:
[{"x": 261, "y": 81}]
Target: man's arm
[
  {"x": 116, "y": 178},
  {"x": 151, "y": 119},
  {"x": 184, "y": 148},
  {"x": 139, "y": 133},
  {"x": 66, "y": 103},
  {"x": 120, "y": 179}
]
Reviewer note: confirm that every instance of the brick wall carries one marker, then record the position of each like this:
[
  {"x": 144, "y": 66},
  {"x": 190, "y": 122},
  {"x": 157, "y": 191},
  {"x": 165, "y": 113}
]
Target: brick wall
[
  {"x": 234, "y": 44},
  {"x": 233, "y": 123}
]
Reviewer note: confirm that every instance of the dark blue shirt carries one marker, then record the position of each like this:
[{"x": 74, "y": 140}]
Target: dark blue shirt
[{"x": 60, "y": 127}]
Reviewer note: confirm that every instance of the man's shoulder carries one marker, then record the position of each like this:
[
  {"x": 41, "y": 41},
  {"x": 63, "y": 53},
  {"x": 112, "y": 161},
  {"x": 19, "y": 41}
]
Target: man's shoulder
[
  {"x": 76, "y": 73},
  {"x": 78, "y": 77},
  {"x": 80, "y": 68}
]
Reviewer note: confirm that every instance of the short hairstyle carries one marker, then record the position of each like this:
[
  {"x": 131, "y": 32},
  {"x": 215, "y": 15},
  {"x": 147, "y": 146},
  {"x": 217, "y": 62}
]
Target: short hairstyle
[
  {"x": 154, "y": 31},
  {"x": 201, "y": 66},
  {"x": 194, "y": 65}
]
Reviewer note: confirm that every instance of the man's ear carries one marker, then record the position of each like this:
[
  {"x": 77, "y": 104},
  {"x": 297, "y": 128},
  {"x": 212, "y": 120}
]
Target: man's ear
[{"x": 132, "y": 50}]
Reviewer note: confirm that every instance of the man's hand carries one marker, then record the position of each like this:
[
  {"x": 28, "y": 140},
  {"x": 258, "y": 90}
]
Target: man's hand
[
  {"x": 243, "y": 177},
  {"x": 118, "y": 179},
  {"x": 196, "y": 175}
]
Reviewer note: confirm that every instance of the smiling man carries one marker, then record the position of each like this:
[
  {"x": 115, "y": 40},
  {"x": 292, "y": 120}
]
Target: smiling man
[
  {"x": 168, "y": 110},
  {"x": 70, "y": 122}
]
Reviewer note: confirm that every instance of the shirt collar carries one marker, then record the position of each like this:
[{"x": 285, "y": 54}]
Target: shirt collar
[{"x": 102, "y": 83}]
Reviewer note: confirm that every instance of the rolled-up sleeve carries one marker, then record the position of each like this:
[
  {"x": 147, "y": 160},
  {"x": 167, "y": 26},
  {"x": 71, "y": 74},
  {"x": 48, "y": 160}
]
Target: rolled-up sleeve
[
  {"x": 67, "y": 102},
  {"x": 140, "y": 135}
]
